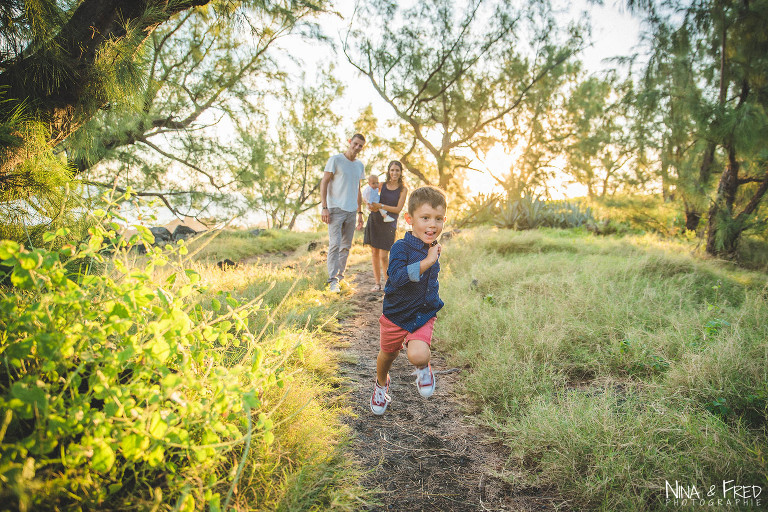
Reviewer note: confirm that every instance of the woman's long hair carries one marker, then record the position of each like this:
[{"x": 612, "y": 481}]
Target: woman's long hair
[{"x": 400, "y": 181}]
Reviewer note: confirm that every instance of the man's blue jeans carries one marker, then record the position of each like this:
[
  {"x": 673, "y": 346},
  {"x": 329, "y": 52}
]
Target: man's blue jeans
[{"x": 341, "y": 230}]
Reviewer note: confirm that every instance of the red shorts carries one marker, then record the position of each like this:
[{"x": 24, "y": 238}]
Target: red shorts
[{"x": 393, "y": 336}]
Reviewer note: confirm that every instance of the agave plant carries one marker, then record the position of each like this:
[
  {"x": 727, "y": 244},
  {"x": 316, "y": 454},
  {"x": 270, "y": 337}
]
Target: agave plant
[
  {"x": 529, "y": 212},
  {"x": 508, "y": 215},
  {"x": 481, "y": 209},
  {"x": 564, "y": 214}
]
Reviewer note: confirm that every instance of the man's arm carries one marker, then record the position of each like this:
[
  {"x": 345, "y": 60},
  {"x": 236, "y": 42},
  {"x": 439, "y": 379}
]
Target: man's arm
[
  {"x": 359, "y": 208},
  {"x": 325, "y": 216}
]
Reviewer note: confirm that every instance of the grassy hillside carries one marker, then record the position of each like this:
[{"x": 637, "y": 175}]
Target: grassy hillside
[
  {"x": 610, "y": 366},
  {"x": 161, "y": 383},
  {"x": 238, "y": 244}
]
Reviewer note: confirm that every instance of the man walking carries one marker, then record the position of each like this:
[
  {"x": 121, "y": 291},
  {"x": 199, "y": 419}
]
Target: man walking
[{"x": 342, "y": 201}]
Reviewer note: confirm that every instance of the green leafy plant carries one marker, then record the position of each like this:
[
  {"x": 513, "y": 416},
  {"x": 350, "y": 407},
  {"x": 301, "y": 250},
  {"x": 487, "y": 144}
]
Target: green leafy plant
[
  {"x": 719, "y": 407},
  {"x": 659, "y": 364},
  {"x": 713, "y": 326},
  {"x": 114, "y": 386},
  {"x": 624, "y": 346},
  {"x": 529, "y": 212},
  {"x": 489, "y": 299}
]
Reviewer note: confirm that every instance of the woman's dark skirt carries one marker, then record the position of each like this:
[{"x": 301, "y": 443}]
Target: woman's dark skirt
[{"x": 379, "y": 234}]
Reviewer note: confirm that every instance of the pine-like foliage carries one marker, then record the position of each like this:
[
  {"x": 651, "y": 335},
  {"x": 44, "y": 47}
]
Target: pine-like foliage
[{"x": 60, "y": 62}]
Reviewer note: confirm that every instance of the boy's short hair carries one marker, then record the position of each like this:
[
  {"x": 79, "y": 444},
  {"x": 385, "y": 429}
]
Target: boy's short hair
[
  {"x": 358, "y": 136},
  {"x": 432, "y": 195}
]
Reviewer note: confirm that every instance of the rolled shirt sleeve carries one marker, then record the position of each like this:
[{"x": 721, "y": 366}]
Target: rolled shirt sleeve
[{"x": 413, "y": 271}]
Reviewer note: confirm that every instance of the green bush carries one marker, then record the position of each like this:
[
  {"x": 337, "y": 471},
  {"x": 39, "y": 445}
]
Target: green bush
[
  {"x": 529, "y": 212},
  {"x": 639, "y": 213},
  {"x": 114, "y": 387}
]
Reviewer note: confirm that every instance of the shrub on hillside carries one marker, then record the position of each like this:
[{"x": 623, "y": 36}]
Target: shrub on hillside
[
  {"x": 479, "y": 210},
  {"x": 113, "y": 387},
  {"x": 529, "y": 212},
  {"x": 641, "y": 213}
]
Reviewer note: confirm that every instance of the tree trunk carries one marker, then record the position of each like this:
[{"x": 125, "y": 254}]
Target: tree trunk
[
  {"x": 443, "y": 176},
  {"x": 604, "y": 192},
  {"x": 692, "y": 219},
  {"x": 69, "y": 94},
  {"x": 293, "y": 221},
  {"x": 665, "y": 181},
  {"x": 722, "y": 207},
  {"x": 722, "y": 210},
  {"x": 705, "y": 171}
]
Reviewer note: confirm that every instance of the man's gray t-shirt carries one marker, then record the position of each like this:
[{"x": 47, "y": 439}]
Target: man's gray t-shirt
[{"x": 343, "y": 188}]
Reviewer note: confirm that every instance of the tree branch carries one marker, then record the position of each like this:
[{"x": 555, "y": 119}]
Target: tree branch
[
  {"x": 755, "y": 201},
  {"x": 182, "y": 161},
  {"x": 93, "y": 24},
  {"x": 161, "y": 195},
  {"x": 750, "y": 179}
]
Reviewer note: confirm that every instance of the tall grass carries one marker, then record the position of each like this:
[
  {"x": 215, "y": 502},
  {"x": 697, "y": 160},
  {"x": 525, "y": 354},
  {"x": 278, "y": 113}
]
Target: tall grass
[
  {"x": 306, "y": 467},
  {"x": 186, "y": 386},
  {"x": 238, "y": 244},
  {"x": 641, "y": 212},
  {"x": 611, "y": 365}
]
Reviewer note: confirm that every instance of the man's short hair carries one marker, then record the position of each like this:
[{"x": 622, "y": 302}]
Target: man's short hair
[
  {"x": 358, "y": 136},
  {"x": 432, "y": 195}
]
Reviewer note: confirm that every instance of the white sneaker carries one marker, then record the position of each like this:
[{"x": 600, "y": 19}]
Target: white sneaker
[
  {"x": 335, "y": 287},
  {"x": 387, "y": 218},
  {"x": 425, "y": 381},
  {"x": 380, "y": 398}
]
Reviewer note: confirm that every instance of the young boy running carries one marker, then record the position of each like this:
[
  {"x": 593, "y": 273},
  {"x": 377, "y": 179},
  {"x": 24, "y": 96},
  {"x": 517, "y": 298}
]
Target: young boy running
[{"x": 411, "y": 301}]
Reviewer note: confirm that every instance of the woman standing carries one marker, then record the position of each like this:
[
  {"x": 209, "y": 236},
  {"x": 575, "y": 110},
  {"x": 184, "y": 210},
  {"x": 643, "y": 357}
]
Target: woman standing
[{"x": 380, "y": 235}]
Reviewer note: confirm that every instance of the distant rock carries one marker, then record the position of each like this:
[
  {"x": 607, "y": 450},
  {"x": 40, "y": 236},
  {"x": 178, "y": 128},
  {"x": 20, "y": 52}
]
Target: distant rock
[
  {"x": 227, "y": 264},
  {"x": 162, "y": 235},
  {"x": 183, "y": 232},
  {"x": 257, "y": 232},
  {"x": 450, "y": 234}
]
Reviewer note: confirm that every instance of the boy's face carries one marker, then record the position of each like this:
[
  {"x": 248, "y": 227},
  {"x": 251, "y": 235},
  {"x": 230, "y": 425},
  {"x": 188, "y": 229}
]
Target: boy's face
[
  {"x": 373, "y": 181},
  {"x": 427, "y": 222}
]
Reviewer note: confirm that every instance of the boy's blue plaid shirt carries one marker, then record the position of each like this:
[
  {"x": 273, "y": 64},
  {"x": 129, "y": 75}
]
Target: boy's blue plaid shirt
[{"x": 410, "y": 299}]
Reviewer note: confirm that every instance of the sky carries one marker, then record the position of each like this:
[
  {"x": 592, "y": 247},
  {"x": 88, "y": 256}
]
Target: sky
[{"x": 615, "y": 32}]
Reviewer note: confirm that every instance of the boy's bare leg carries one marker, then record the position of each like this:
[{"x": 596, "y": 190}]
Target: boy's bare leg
[
  {"x": 418, "y": 353},
  {"x": 383, "y": 364}
]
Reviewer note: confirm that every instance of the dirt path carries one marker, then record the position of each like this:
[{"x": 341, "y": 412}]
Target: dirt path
[{"x": 423, "y": 455}]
